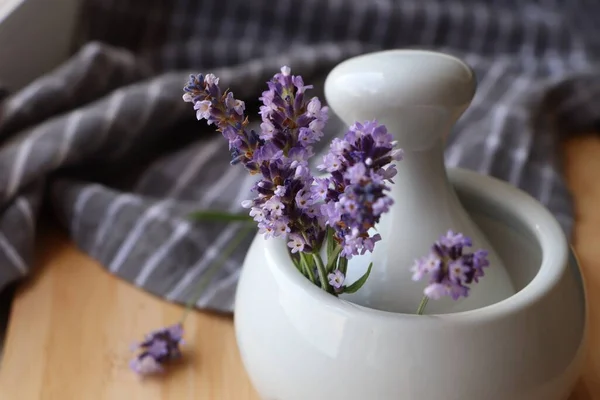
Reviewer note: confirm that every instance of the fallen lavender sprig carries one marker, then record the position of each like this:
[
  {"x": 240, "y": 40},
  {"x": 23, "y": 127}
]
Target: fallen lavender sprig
[
  {"x": 289, "y": 201},
  {"x": 158, "y": 348},
  {"x": 162, "y": 346},
  {"x": 450, "y": 268}
]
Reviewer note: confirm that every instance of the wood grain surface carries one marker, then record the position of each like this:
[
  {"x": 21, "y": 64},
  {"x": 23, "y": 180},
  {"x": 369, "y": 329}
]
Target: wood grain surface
[{"x": 72, "y": 323}]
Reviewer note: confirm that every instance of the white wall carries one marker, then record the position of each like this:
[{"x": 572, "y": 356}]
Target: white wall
[{"x": 35, "y": 36}]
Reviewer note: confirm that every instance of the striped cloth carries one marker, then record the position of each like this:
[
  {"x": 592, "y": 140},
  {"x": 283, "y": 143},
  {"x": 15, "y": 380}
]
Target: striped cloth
[{"x": 106, "y": 142}]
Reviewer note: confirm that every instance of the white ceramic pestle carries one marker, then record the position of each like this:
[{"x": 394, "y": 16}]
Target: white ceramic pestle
[{"x": 418, "y": 95}]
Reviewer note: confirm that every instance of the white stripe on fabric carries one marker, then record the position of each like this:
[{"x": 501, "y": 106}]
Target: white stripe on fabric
[
  {"x": 251, "y": 30},
  {"x": 505, "y": 25},
  {"x": 454, "y": 155},
  {"x": 547, "y": 184},
  {"x": 165, "y": 248},
  {"x": 519, "y": 157},
  {"x": 135, "y": 233},
  {"x": 481, "y": 22},
  {"x": 216, "y": 287},
  {"x": 458, "y": 14},
  {"x": 154, "y": 260},
  {"x": 432, "y": 21},
  {"x": 305, "y": 19},
  {"x": 18, "y": 168},
  {"x": 209, "y": 255},
  {"x": 357, "y": 14},
  {"x": 25, "y": 207},
  {"x": 501, "y": 114},
  {"x": 200, "y": 159},
  {"x": 151, "y": 97},
  {"x": 226, "y": 29},
  {"x": 216, "y": 246},
  {"x": 23, "y": 100},
  {"x": 215, "y": 190},
  {"x": 67, "y": 136},
  {"x": 492, "y": 141},
  {"x": 12, "y": 255},
  {"x": 108, "y": 219},
  {"x": 83, "y": 197},
  {"x": 110, "y": 115}
]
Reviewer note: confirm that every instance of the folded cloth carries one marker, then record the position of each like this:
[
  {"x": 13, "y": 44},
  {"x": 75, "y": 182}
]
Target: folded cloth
[{"x": 107, "y": 142}]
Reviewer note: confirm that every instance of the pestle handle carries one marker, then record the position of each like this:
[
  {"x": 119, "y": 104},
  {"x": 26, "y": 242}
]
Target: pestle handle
[
  {"x": 407, "y": 90},
  {"x": 418, "y": 96}
]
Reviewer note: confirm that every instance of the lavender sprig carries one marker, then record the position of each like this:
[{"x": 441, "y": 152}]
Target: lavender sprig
[
  {"x": 157, "y": 349},
  {"x": 227, "y": 113},
  {"x": 450, "y": 268},
  {"x": 152, "y": 358},
  {"x": 355, "y": 194},
  {"x": 290, "y": 125},
  {"x": 289, "y": 201}
]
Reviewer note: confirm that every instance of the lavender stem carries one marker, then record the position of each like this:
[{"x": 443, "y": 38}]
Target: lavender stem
[
  {"x": 212, "y": 270},
  {"x": 307, "y": 268},
  {"x": 422, "y": 305},
  {"x": 322, "y": 272}
]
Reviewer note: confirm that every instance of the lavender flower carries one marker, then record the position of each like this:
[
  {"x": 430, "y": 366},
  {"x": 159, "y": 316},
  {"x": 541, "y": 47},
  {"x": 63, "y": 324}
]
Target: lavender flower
[
  {"x": 449, "y": 267},
  {"x": 158, "y": 348},
  {"x": 227, "y": 113},
  {"x": 336, "y": 280},
  {"x": 291, "y": 124},
  {"x": 355, "y": 195},
  {"x": 288, "y": 201}
]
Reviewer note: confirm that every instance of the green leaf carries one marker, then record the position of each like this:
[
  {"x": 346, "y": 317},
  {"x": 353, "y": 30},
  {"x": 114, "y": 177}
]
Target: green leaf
[
  {"x": 296, "y": 262},
  {"x": 330, "y": 243},
  {"x": 215, "y": 267},
  {"x": 343, "y": 264},
  {"x": 332, "y": 258},
  {"x": 308, "y": 266},
  {"x": 359, "y": 283},
  {"x": 211, "y": 215}
]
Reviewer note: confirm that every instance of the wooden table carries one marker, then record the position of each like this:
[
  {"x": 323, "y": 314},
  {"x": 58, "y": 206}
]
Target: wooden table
[{"x": 72, "y": 323}]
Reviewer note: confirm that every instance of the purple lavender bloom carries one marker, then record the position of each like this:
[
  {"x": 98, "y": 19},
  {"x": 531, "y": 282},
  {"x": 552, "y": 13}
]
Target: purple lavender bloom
[
  {"x": 291, "y": 124},
  {"x": 480, "y": 261},
  {"x": 336, "y": 280},
  {"x": 451, "y": 239},
  {"x": 145, "y": 364},
  {"x": 288, "y": 119},
  {"x": 450, "y": 267},
  {"x": 319, "y": 189},
  {"x": 296, "y": 243},
  {"x": 158, "y": 348},
  {"x": 227, "y": 113},
  {"x": 355, "y": 198},
  {"x": 288, "y": 199}
]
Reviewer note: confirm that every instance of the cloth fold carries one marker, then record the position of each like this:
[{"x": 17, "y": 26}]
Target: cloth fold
[{"x": 107, "y": 141}]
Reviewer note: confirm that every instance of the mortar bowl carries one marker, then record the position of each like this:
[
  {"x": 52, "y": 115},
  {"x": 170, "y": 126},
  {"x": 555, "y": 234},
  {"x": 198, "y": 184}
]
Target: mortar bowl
[{"x": 299, "y": 343}]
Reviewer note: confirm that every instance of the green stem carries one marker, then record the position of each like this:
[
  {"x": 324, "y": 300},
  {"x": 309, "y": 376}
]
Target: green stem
[
  {"x": 307, "y": 267},
  {"x": 422, "y": 305},
  {"x": 332, "y": 258},
  {"x": 219, "y": 216},
  {"x": 343, "y": 264},
  {"x": 212, "y": 270},
  {"x": 322, "y": 271}
]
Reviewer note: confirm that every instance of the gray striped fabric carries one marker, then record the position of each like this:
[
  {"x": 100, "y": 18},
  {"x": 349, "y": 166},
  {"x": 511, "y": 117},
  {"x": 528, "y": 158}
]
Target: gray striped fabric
[{"x": 108, "y": 143}]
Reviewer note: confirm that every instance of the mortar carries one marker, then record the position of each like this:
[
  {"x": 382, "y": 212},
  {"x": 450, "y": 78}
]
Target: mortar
[
  {"x": 299, "y": 343},
  {"x": 519, "y": 335}
]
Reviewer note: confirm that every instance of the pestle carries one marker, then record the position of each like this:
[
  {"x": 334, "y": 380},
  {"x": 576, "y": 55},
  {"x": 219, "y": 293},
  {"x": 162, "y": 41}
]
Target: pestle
[{"x": 418, "y": 96}]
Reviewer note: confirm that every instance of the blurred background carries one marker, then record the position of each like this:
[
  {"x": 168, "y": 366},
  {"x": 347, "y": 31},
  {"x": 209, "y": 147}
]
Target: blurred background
[{"x": 94, "y": 134}]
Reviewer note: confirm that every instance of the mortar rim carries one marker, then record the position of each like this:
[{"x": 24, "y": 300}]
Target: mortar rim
[{"x": 547, "y": 232}]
